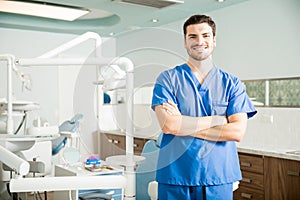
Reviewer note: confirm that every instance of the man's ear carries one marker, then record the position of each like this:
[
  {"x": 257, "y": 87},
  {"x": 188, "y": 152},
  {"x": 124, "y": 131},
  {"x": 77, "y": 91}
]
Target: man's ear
[{"x": 215, "y": 41}]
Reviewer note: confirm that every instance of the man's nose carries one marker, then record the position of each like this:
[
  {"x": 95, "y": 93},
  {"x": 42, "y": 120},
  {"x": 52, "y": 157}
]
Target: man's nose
[{"x": 200, "y": 40}]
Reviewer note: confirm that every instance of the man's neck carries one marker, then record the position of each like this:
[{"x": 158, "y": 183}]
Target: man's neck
[{"x": 200, "y": 68}]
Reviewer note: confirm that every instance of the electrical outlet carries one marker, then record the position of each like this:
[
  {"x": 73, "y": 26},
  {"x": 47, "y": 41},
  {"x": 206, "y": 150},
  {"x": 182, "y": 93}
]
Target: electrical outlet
[{"x": 267, "y": 118}]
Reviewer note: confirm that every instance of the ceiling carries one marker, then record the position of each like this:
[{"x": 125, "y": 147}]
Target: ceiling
[{"x": 111, "y": 17}]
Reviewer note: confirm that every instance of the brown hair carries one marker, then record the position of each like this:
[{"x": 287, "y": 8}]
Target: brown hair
[{"x": 199, "y": 19}]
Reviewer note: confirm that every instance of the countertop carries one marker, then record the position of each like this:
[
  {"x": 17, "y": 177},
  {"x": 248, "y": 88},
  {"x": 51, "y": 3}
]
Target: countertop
[
  {"x": 137, "y": 134},
  {"x": 263, "y": 150},
  {"x": 276, "y": 152}
]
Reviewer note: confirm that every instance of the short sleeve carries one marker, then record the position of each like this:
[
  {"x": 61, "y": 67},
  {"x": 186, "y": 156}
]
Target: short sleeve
[
  {"x": 239, "y": 101},
  {"x": 163, "y": 90}
]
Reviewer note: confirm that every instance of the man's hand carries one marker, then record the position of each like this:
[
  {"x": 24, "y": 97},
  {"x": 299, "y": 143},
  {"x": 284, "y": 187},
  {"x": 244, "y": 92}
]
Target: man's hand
[{"x": 171, "y": 108}]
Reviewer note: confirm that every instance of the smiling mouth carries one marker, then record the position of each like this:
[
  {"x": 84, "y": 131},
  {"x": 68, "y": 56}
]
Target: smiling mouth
[{"x": 199, "y": 49}]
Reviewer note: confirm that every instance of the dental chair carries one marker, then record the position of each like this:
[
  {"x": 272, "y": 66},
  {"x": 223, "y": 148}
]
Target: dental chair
[
  {"x": 146, "y": 171},
  {"x": 70, "y": 126}
]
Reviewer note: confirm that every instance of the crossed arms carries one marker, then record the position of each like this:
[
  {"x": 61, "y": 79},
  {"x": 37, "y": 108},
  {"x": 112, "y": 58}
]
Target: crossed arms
[{"x": 213, "y": 128}]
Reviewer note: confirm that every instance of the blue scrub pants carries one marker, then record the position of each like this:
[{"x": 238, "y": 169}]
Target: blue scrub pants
[{"x": 178, "y": 192}]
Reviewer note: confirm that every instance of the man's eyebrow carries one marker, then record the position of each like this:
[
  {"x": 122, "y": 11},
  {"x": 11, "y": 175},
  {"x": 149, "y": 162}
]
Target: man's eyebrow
[
  {"x": 192, "y": 34},
  {"x": 206, "y": 33}
]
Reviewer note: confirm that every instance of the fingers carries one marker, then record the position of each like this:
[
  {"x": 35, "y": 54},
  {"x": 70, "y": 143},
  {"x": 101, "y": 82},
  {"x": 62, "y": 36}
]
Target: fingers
[
  {"x": 172, "y": 104},
  {"x": 171, "y": 108}
]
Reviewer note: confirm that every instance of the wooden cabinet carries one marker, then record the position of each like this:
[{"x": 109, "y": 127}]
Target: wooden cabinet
[
  {"x": 268, "y": 178},
  {"x": 252, "y": 184},
  {"x": 112, "y": 144},
  {"x": 282, "y": 179}
]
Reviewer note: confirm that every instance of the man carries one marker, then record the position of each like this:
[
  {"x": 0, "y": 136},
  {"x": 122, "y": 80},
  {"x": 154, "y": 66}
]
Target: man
[{"x": 202, "y": 111}]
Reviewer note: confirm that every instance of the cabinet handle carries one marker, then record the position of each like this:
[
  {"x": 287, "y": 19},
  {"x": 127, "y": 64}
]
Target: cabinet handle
[
  {"x": 245, "y": 164},
  {"x": 293, "y": 173},
  {"x": 245, "y": 195},
  {"x": 116, "y": 142},
  {"x": 135, "y": 145},
  {"x": 110, "y": 140},
  {"x": 246, "y": 180}
]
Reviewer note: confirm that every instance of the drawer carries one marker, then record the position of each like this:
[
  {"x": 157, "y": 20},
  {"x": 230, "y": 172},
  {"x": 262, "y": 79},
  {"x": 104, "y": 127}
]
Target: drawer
[
  {"x": 244, "y": 193},
  {"x": 251, "y": 163},
  {"x": 138, "y": 145},
  {"x": 252, "y": 180},
  {"x": 117, "y": 140}
]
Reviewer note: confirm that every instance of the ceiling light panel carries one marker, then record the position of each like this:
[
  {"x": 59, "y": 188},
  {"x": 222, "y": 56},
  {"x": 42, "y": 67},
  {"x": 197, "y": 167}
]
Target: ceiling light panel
[{"x": 42, "y": 10}]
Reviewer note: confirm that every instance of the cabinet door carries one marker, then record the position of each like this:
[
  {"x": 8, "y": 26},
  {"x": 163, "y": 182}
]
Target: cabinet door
[
  {"x": 111, "y": 145},
  {"x": 292, "y": 174},
  {"x": 138, "y": 145},
  {"x": 282, "y": 179}
]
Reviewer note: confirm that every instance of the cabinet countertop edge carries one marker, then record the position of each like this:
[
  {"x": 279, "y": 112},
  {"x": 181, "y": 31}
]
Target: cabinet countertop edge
[{"x": 269, "y": 152}]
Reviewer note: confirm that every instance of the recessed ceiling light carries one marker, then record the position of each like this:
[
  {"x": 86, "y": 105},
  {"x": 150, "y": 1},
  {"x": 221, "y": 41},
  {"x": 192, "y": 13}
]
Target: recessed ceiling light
[
  {"x": 220, "y": 1},
  {"x": 154, "y": 20},
  {"x": 42, "y": 10}
]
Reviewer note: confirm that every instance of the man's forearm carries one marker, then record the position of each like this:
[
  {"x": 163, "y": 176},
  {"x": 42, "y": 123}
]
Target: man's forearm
[
  {"x": 181, "y": 125},
  {"x": 229, "y": 132},
  {"x": 232, "y": 131},
  {"x": 193, "y": 125},
  {"x": 215, "y": 128}
]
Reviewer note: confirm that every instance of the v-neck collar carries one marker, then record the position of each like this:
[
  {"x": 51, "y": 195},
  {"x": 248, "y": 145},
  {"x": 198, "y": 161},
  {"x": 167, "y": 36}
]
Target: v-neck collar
[{"x": 200, "y": 86}]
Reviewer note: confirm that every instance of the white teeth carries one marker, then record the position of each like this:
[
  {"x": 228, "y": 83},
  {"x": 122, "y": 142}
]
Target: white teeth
[{"x": 200, "y": 49}]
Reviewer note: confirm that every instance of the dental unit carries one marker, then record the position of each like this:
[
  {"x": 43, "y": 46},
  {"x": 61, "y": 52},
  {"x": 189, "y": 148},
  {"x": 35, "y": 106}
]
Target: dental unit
[{"x": 120, "y": 79}]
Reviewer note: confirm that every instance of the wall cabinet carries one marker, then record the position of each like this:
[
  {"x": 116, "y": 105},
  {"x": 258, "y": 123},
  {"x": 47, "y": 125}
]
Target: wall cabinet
[
  {"x": 112, "y": 144},
  {"x": 268, "y": 178}
]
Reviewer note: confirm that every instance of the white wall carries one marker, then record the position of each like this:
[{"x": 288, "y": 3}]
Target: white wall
[
  {"x": 274, "y": 129},
  {"x": 257, "y": 39}
]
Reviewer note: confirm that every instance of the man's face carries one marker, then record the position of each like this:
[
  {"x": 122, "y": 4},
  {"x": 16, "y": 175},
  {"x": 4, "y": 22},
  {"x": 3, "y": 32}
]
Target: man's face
[{"x": 199, "y": 41}]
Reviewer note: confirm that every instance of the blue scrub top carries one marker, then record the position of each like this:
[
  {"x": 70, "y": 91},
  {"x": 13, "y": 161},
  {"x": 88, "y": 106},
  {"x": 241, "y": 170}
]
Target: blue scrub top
[{"x": 189, "y": 161}]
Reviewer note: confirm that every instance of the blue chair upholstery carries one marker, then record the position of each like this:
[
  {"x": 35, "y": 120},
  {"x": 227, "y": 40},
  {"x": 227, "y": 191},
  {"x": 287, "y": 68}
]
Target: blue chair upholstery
[
  {"x": 72, "y": 126},
  {"x": 146, "y": 171}
]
